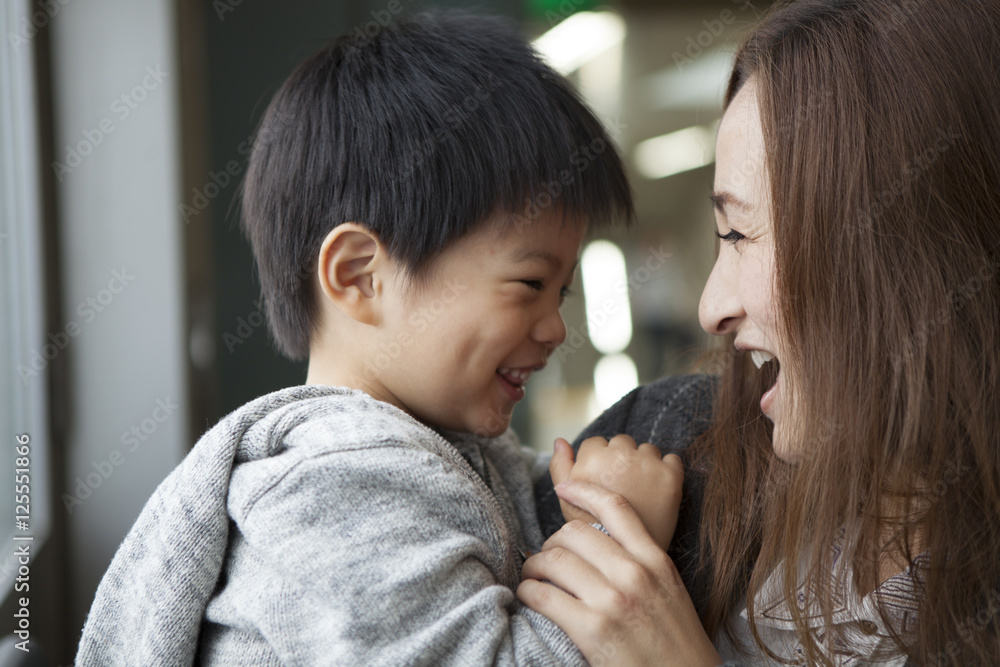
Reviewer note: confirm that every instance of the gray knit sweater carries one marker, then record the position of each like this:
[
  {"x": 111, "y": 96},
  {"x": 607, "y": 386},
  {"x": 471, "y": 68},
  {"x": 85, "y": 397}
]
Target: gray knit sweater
[{"x": 316, "y": 525}]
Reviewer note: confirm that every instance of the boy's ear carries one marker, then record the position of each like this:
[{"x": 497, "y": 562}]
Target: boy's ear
[{"x": 351, "y": 263}]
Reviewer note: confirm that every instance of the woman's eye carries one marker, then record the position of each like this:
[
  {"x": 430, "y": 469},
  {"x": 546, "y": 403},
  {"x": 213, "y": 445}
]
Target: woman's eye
[
  {"x": 534, "y": 284},
  {"x": 565, "y": 292},
  {"x": 733, "y": 237}
]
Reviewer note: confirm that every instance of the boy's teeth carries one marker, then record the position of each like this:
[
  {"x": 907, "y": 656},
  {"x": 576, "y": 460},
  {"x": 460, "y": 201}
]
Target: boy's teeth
[
  {"x": 760, "y": 357},
  {"x": 515, "y": 376}
]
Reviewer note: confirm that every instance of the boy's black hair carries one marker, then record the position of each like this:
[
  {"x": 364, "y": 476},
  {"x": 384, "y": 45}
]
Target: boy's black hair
[{"x": 420, "y": 132}]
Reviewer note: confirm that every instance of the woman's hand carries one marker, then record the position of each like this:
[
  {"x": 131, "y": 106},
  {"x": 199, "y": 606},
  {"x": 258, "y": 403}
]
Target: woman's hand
[{"x": 621, "y": 600}]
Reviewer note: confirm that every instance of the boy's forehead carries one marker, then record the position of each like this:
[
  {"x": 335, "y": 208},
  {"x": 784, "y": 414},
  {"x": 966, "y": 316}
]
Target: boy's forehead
[
  {"x": 530, "y": 234},
  {"x": 556, "y": 242}
]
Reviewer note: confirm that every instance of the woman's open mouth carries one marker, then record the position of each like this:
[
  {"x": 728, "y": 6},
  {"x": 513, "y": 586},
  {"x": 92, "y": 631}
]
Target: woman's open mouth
[{"x": 770, "y": 367}]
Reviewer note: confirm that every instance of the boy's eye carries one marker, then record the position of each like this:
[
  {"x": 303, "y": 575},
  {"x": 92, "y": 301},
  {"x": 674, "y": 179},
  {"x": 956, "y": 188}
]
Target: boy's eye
[
  {"x": 733, "y": 237},
  {"x": 538, "y": 286}
]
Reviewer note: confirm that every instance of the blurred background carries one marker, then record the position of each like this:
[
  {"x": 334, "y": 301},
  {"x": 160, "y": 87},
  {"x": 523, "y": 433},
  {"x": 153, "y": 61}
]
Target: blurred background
[{"x": 129, "y": 297}]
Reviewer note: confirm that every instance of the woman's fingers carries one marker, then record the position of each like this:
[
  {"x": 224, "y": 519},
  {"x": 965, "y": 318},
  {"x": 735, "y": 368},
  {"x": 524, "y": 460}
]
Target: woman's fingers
[
  {"x": 575, "y": 617},
  {"x": 623, "y": 603},
  {"x": 572, "y": 583},
  {"x": 615, "y": 513},
  {"x": 612, "y": 604},
  {"x": 565, "y": 567},
  {"x": 574, "y": 552},
  {"x": 578, "y": 595},
  {"x": 550, "y": 601}
]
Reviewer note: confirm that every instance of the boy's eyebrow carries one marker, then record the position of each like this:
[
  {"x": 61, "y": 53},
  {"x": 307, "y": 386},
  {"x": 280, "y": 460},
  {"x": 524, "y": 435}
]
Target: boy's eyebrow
[
  {"x": 722, "y": 199},
  {"x": 533, "y": 253}
]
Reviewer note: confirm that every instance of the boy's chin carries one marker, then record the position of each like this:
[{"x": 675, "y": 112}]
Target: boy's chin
[
  {"x": 491, "y": 433},
  {"x": 491, "y": 426}
]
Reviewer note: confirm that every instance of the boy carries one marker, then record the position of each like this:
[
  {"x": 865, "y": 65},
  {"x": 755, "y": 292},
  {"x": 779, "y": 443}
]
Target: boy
[{"x": 378, "y": 515}]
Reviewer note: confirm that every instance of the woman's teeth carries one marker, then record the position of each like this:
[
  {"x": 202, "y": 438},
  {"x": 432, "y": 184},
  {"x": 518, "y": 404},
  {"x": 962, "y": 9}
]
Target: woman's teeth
[{"x": 760, "y": 357}]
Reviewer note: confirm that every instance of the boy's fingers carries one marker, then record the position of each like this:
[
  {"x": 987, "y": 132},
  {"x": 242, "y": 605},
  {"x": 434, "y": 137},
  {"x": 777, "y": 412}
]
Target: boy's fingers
[
  {"x": 595, "y": 443},
  {"x": 674, "y": 461},
  {"x": 648, "y": 449},
  {"x": 561, "y": 464},
  {"x": 622, "y": 442}
]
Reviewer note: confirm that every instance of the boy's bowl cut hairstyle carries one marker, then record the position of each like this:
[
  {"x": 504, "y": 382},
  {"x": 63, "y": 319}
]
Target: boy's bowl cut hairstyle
[{"x": 421, "y": 133}]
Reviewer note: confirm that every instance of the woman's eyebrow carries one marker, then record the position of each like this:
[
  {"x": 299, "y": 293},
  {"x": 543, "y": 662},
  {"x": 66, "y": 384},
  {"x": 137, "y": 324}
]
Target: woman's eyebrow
[{"x": 722, "y": 199}]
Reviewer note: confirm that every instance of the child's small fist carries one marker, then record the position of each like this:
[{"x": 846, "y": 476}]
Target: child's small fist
[{"x": 651, "y": 484}]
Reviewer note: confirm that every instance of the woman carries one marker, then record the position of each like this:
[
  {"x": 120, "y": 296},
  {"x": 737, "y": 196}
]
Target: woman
[{"x": 857, "y": 196}]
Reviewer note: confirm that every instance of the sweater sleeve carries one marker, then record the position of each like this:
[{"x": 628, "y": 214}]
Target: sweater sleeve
[{"x": 383, "y": 556}]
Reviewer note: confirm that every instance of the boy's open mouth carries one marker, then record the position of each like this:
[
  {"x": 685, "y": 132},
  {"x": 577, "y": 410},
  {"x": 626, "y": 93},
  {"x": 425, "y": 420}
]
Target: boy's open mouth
[{"x": 514, "y": 379}]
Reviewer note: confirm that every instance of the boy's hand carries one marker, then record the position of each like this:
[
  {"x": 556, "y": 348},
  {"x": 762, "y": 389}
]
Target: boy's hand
[{"x": 651, "y": 484}]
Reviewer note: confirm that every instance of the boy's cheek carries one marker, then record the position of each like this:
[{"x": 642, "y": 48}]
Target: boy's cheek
[{"x": 418, "y": 322}]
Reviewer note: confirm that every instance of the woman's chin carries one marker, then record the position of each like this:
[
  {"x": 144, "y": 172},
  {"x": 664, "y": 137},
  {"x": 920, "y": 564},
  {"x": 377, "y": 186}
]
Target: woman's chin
[{"x": 784, "y": 444}]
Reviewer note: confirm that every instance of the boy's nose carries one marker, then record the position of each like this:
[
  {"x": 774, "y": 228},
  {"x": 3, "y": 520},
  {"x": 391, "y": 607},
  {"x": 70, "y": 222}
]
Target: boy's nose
[
  {"x": 550, "y": 330},
  {"x": 720, "y": 311}
]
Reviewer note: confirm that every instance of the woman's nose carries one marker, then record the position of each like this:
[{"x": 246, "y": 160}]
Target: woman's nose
[{"x": 720, "y": 310}]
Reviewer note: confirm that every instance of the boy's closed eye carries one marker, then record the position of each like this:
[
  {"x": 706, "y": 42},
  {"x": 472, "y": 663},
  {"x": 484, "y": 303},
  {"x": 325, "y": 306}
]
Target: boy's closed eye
[{"x": 539, "y": 286}]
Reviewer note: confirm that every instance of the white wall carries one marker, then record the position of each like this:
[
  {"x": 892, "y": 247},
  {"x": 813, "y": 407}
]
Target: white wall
[
  {"x": 115, "y": 89},
  {"x": 23, "y": 395}
]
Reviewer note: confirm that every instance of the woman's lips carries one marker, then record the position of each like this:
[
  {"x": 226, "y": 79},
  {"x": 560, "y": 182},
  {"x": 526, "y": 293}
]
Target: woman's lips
[{"x": 767, "y": 400}]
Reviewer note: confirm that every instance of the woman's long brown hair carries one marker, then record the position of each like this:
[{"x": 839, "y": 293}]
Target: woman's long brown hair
[{"x": 882, "y": 125}]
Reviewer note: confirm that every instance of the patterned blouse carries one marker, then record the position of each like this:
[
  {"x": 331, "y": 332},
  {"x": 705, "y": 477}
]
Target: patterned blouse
[{"x": 861, "y": 636}]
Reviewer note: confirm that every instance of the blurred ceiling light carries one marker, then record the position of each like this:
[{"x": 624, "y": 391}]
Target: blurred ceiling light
[
  {"x": 614, "y": 376},
  {"x": 579, "y": 39},
  {"x": 697, "y": 83},
  {"x": 605, "y": 293},
  {"x": 676, "y": 152}
]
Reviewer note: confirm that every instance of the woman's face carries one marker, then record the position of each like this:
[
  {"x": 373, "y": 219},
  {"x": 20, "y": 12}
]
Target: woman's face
[{"x": 739, "y": 296}]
